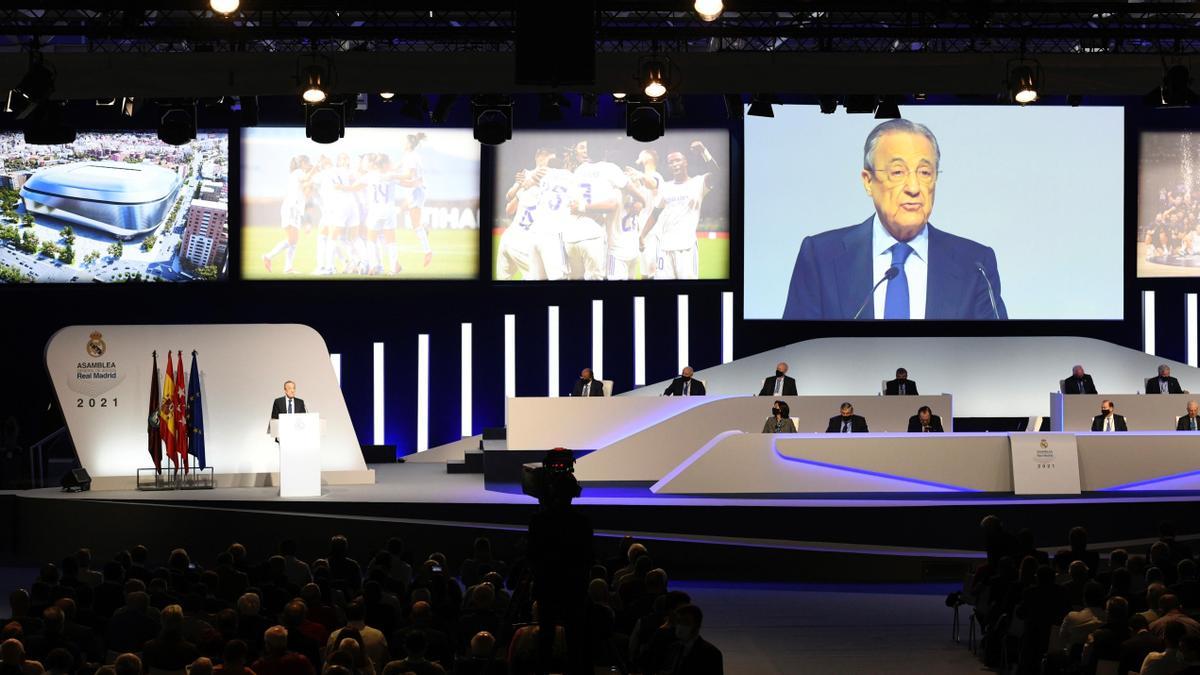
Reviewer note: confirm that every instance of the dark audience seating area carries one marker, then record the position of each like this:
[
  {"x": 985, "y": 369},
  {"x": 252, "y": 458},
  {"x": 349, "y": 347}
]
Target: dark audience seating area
[
  {"x": 260, "y": 609},
  {"x": 1074, "y": 611}
]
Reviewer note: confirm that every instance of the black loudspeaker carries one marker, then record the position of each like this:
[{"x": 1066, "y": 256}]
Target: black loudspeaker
[
  {"x": 555, "y": 42},
  {"x": 76, "y": 480}
]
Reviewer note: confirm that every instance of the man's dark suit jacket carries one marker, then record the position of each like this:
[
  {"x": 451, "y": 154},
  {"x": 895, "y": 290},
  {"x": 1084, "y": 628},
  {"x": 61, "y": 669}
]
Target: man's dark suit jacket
[
  {"x": 858, "y": 424},
  {"x": 893, "y": 388},
  {"x": 597, "y": 388},
  {"x": 935, "y": 424},
  {"x": 768, "y": 388},
  {"x": 1071, "y": 385},
  {"x": 1185, "y": 425},
  {"x": 1154, "y": 384},
  {"x": 833, "y": 274},
  {"x": 676, "y": 387},
  {"x": 280, "y": 406},
  {"x": 702, "y": 659},
  {"x": 1118, "y": 423}
]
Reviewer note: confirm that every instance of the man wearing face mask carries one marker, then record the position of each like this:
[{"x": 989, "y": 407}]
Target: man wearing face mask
[
  {"x": 1107, "y": 420},
  {"x": 779, "y": 384},
  {"x": 586, "y": 385},
  {"x": 685, "y": 385},
  {"x": 779, "y": 422},
  {"x": 692, "y": 654},
  {"x": 847, "y": 422}
]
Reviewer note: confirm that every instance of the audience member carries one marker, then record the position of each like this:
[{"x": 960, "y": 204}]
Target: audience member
[
  {"x": 277, "y": 660},
  {"x": 1169, "y": 660},
  {"x": 1170, "y": 612},
  {"x": 1140, "y": 643},
  {"x": 169, "y": 651},
  {"x": 692, "y": 654}
]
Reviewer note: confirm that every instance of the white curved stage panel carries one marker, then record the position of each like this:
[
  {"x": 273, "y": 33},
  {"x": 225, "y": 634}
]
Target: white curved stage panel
[
  {"x": 1156, "y": 412},
  {"x": 988, "y": 376},
  {"x": 1144, "y": 461},
  {"x": 103, "y": 385},
  {"x": 641, "y": 439}
]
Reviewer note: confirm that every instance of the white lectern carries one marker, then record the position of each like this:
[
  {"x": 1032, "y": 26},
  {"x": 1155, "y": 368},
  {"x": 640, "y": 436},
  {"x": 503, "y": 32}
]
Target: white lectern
[{"x": 299, "y": 438}]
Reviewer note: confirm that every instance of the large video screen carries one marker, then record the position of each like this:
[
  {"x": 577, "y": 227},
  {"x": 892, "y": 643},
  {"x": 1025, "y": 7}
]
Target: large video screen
[
  {"x": 602, "y": 206},
  {"x": 114, "y": 206},
  {"x": 1168, "y": 237},
  {"x": 380, "y": 203},
  {"x": 841, "y": 220}
]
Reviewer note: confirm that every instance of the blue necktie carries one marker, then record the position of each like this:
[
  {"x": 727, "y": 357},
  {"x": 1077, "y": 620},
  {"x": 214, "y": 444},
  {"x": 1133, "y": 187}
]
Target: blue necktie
[{"x": 895, "y": 305}]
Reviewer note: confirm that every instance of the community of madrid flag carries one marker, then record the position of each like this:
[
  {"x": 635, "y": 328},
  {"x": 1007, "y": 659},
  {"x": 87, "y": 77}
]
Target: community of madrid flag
[
  {"x": 155, "y": 442},
  {"x": 166, "y": 413},
  {"x": 195, "y": 415},
  {"x": 181, "y": 437}
]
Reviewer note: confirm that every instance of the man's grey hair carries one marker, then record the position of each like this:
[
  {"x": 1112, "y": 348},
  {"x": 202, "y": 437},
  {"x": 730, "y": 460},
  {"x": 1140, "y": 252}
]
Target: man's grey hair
[
  {"x": 897, "y": 125},
  {"x": 1163, "y": 367}
]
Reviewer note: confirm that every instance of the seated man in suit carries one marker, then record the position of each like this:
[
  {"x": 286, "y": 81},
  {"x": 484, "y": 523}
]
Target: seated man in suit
[
  {"x": 925, "y": 422},
  {"x": 847, "y": 422},
  {"x": 288, "y": 403},
  {"x": 1164, "y": 383},
  {"x": 587, "y": 386},
  {"x": 901, "y": 386},
  {"x": 895, "y": 264},
  {"x": 1107, "y": 420},
  {"x": 1189, "y": 422},
  {"x": 779, "y": 384},
  {"x": 1079, "y": 382},
  {"x": 684, "y": 385},
  {"x": 691, "y": 653}
]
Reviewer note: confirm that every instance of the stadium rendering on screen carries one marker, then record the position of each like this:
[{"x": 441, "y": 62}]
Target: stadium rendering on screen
[
  {"x": 1168, "y": 235},
  {"x": 601, "y": 206},
  {"x": 977, "y": 213},
  {"x": 114, "y": 206},
  {"x": 384, "y": 203}
]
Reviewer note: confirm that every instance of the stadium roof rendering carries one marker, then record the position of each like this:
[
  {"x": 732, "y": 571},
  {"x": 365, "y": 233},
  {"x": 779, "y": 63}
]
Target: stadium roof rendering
[{"x": 124, "y": 200}]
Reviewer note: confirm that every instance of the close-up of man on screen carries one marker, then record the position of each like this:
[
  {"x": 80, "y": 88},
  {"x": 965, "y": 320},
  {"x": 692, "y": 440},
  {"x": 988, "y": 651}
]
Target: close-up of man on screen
[{"x": 895, "y": 264}]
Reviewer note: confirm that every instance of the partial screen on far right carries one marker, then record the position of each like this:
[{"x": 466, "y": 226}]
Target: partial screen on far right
[{"x": 1168, "y": 238}]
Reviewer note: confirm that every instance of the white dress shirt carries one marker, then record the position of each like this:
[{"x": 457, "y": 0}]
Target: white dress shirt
[
  {"x": 916, "y": 268},
  {"x": 779, "y": 386}
]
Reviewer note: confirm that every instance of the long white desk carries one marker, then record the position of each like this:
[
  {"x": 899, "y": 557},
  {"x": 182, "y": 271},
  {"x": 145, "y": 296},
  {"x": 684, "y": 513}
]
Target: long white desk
[{"x": 1143, "y": 412}]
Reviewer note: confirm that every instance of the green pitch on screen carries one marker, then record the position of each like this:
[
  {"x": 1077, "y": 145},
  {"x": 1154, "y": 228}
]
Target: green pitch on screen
[
  {"x": 455, "y": 255},
  {"x": 714, "y": 258}
]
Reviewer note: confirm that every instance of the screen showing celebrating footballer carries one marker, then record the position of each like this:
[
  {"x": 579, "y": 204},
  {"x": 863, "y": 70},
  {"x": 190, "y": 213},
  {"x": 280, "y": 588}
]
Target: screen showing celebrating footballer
[
  {"x": 600, "y": 205},
  {"x": 114, "y": 206},
  {"x": 380, "y": 204}
]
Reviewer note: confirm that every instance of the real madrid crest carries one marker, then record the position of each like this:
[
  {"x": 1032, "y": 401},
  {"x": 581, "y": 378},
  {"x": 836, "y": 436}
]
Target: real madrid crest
[
  {"x": 96, "y": 346},
  {"x": 1045, "y": 444}
]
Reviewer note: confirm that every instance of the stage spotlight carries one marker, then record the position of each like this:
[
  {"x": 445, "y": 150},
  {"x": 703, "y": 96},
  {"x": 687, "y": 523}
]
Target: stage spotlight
[
  {"x": 314, "y": 88},
  {"x": 325, "y": 122},
  {"x": 733, "y": 106},
  {"x": 441, "y": 109},
  {"x": 1023, "y": 82},
  {"x": 828, "y": 104},
  {"x": 888, "y": 109},
  {"x": 708, "y": 10},
  {"x": 618, "y": 95},
  {"x": 38, "y": 82},
  {"x": 492, "y": 119},
  {"x": 1175, "y": 91},
  {"x": 760, "y": 106},
  {"x": 177, "y": 124},
  {"x": 415, "y": 107},
  {"x": 45, "y": 126},
  {"x": 645, "y": 121},
  {"x": 110, "y": 101},
  {"x": 387, "y": 96},
  {"x": 550, "y": 107},
  {"x": 653, "y": 83},
  {"x": 224, "y": 6},
  {"x": 588, "y": 105}
]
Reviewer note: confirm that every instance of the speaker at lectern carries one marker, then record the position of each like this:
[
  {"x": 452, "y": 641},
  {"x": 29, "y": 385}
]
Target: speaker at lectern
[{"x": 299, "y": 438}]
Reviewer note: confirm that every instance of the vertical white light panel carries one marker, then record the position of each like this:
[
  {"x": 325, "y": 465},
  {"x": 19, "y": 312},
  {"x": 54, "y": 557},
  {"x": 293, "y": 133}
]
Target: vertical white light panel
[
  {"x": 1193, "y": 342},
  {"x": 467, "y": 414},
  {"x": 552, "y": 373},
  {"x": 377, "y": 394},
  {"x": 510, "y": 355},
  {"x": 639, "y": 341},
  {"x": 1148, "y": 322},
  {"x": 335, "y": 360},
  {"x": 598, "y": 339},
  {"x": 727, "y": 327},
  {"x": 422, "y": 392},
  {"x": 682, "y": 325}
]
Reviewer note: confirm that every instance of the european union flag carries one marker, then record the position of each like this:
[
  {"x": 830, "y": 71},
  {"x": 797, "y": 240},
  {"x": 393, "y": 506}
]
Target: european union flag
[{"x": 195, "y": 416}]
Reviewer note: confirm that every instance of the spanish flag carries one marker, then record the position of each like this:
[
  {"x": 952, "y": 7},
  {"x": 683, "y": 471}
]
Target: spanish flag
[{"x": 166, "y": 413}]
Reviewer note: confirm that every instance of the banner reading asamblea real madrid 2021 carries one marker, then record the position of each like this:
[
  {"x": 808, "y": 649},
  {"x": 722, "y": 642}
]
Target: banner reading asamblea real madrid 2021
[{"x": 101, "y": 375}]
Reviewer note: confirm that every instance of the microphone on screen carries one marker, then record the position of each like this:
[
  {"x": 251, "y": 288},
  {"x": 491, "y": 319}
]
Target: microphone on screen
[
  {"x": 887, "y": 276},
  {"x": 991, "y": 292}
]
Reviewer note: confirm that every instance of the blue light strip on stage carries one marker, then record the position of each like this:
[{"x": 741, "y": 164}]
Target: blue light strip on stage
[
  {"x": 1149, "y": 481},
  {"x": 877, "y": 474}
]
